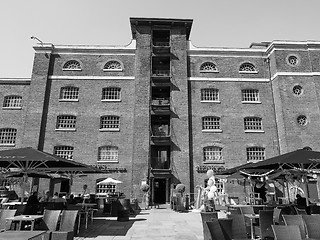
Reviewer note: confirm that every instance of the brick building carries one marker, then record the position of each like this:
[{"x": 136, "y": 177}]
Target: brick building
[{"x": 162, "y": 111}]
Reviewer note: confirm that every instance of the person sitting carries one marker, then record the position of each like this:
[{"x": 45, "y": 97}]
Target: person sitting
[
  {"x": 46, "y": 197},
  {"x": 301, "y": 201},
  {"x": 33, "y": 199},
  {"x": 60, "y": 198},
  {"x": 32, "y": 204}
]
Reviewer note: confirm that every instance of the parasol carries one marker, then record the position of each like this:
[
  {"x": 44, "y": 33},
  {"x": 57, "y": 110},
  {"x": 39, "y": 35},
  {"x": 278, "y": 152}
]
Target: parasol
[{"x": 109, "y": 180}]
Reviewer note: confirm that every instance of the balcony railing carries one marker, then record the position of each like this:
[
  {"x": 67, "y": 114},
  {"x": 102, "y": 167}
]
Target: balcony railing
[
  {"x": 160, "y": 163},
  {"x": 161, "y": 73},
  {"x": 161, "y": 44},
  {"x": 161, "y": 102},
  {"x": 161, "y": 47}
]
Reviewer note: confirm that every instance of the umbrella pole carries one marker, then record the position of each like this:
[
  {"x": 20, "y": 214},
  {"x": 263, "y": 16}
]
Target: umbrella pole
[{"x": 306, "y": 190}]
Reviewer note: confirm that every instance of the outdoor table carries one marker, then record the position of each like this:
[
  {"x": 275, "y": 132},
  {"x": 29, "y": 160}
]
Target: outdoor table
[
  {"x": 23, "y": 218},
  {"x": 88, "y": 207},
  {"x": 252, "y": 217},
  {"x": 20, "y": 235},
  {"x": 12, "y": 204}
]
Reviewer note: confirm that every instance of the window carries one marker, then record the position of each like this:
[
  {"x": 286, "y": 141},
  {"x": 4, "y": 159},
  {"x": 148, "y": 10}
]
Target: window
[
  {"x": 109, "y": 188},
  {"x": 212, "y": 153},
  {"x": 73, "y": 65},
  {"x": 297, "y": 90},
  {"x": 112, "y": 66},
  {"x": 250, "y": 95},
  {"x": 209, "y": 95},
  {"x": 64, "y": 152},
  {"x": 69, "y": 93},
  {"x": 108, "y": 154},
  {"x": 8, "y": 136},
  {"x": 12, "y": 102},
  {"x": 302, "y": 120},
  {"x": 67, "y": 122},
  {"x": 208, "y": 67},
  {"x": 255, "y": 154},
  {"x": 111, "y": 94},
  {"x": 110, "y": 123},
  {"x": 210, "y": 123},
  {"x": 252, "y": 124},
  {"x": 247, "y": 68},
  {"x": 292, "y": 60}
]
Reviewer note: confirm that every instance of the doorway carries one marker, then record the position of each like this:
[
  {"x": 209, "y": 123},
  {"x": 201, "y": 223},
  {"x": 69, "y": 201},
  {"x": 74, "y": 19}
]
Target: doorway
[{"x": 159, "y": 190}]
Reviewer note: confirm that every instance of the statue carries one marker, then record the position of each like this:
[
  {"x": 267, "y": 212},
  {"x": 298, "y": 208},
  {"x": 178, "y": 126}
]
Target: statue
[{"x": 211, "y": 188}]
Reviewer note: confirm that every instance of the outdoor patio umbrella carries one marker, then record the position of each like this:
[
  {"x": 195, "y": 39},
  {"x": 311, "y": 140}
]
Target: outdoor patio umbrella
[
  {"x": 29, "y": 159},
  {"x": 109, "y": 180},
  {"x": 302, "y": 160}
]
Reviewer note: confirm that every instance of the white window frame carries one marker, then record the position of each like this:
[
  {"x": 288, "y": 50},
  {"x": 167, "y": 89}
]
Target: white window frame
[
  {"x": 69, "y": 94},
  {"x": 111, "y": 92},
  {"x": 8, "y": 137},
  {"x": 120, "y": 69},
  {"x": 109, "y": 188},
  {"x": 248, "y": 65},
  {"x": 250, "y": 96},
  {"x": 253, "y": 124},
  {"x": 211, "y": 124},
  {"x": 205, "y": 67},
  {"x": 255, "y": 154},
  {"x": 110, "y": 123},
  {"x": 66, "y": 123},
  {"x": 75, "y": 63},
  {"x": 12, "y": 102},
  {"x": 210, "y": 93},
  {"x": 108, "y": 154},
  {"x": 212, "y": 154},
  {"x": 64, "y": 152}
]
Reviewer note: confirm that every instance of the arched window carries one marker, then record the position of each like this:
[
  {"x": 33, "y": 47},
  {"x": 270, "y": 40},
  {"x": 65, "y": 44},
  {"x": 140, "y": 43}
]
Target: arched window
[
  {"x": 108, "y": 154},
  {"x": 255, "y": 154},
  {"x": 252, "y": 123},
  {"x": 212, "y": 153},
  {"x": 69, "y": 93},
  {"x": 247, "y": 68},
  {"x": 72, "y": 65},
  {"x": 67, "y": 122},
  {"x": 112, "y": 65},
  {"x": 12, "y": 101},
  {"x": 208, "y": 67},
  {"x": 8, "y": 136},
  {"x": 64, "y": 152}
]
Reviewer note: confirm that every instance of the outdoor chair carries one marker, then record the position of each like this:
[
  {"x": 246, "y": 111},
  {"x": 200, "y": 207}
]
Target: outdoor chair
[
  {"x": 313, "y": 225},
  {"x": 300, "y": 211},
  {"x": 50, "y": 222},
  {"x": 296, "y": 220},
  {"x": 215, "y": 231},
  {"x": 265, "y": 221},
  {"x": 239, "y": 230},
  {"x": 283, "y": 232},
  {"x": 81, "y": 214},
  {"x": 315, "y": 209},
  {"x": 277, "y": 216},
  {"x": 207, "y": 217},
  {"x": 6, "y": 213},
  {"x": 247, "y": 210},
  {"x": 67, "y": 226}
]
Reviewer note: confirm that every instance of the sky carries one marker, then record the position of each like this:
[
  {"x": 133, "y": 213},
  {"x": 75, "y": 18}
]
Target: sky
[{"x": 216, "y": 23}]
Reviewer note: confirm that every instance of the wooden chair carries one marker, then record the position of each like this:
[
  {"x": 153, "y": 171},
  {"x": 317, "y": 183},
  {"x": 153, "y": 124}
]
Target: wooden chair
[
  {"x": 239, "y": 229},
  {"x": 313, "y": 225},
  {"x": 283, "y": 232},
  {"x": 296, "y": 220},
  {"x": 277, "y": 216},
  {"x": 67, "y": 226},
  {"x": 265, "y": 221},
  {"x": 207, "y": 217}
]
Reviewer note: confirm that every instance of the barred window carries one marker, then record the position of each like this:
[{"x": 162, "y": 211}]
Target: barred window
[
  {"x": 208, "y": 67},
  {"x": 69, "y": 93},
  {"x": 110, "y": 122},
  {"x": 209, "y": 94},
  {"x": 8, "y": 136},
  {"x": 64, "y": 152},
  {"x": 252, "y": 123},
  {"x": 66, "y": 122},
  {"x": 111, "y": 93},
  {"x": 247, "y": 68},
  {"x": 107, "y": 153},
  {"x": 112, "y": 66},
  {"x": 12, "y": 101},
  {"x": 210, "y": 123},
  {"x": 72, "y": 65},
  {"x": 250, "y": 95},
  {"x": 302, "y": 120},
  {"x": 255, "y": 154},
  {"x": 212, "y": 153}
]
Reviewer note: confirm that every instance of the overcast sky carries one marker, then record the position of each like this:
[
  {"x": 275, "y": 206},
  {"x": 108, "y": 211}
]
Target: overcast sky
[{"x": 216, "y": 23}]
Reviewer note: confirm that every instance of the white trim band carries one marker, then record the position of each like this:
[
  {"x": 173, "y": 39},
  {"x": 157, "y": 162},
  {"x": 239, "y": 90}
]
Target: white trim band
[
  {"x": 229, "y": 79},
  {"x": 307, "y": 74},
  {"x": 91, "y": 77}
]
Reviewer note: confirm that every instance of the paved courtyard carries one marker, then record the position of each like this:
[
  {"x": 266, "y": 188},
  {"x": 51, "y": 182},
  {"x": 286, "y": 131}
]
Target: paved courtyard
[{"x": 155, "y": 224}]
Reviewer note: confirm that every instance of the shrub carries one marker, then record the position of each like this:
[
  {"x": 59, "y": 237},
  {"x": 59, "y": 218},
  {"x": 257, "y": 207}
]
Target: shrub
[
  {"x": 180, "y": 188},
  {"x": 145, "y": 187}
]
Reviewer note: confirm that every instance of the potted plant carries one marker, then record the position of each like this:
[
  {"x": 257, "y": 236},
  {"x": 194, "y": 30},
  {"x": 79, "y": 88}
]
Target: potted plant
[{"x": 180, "y": 188}]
